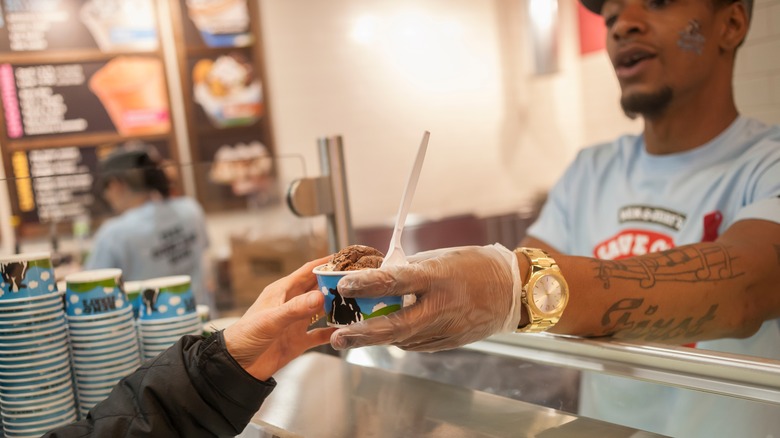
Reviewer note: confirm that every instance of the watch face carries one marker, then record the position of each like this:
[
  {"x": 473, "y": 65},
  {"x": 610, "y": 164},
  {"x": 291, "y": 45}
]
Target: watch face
[{"x": 548, "y": 294}]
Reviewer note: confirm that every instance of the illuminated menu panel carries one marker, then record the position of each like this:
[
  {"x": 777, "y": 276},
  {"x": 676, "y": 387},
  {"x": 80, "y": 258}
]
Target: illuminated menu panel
[{"x": 108, "y": 25}]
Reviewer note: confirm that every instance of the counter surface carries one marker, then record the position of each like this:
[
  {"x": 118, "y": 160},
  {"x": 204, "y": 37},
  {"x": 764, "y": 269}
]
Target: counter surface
[{"x": 323, "y": 396}]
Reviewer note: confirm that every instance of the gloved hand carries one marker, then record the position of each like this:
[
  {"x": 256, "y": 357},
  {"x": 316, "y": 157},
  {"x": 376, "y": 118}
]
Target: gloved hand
[{"x": 463, "y": 295}]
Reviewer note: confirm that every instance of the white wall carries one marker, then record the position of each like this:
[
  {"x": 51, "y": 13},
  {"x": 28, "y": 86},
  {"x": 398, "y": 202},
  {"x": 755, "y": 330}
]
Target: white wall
[
  {"x": 381, "y": 72},
  {"x": 757, "y": 81}
]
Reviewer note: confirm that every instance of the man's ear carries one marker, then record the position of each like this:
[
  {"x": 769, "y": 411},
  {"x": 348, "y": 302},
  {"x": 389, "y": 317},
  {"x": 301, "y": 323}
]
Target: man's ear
[{"x": 736, "y": 23}]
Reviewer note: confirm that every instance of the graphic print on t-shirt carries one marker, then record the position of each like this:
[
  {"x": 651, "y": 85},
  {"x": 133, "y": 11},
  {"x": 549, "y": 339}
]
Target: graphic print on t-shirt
[
  {"x": 651, "y": 215},
  {"x": 176, "y": 244},
  {"x": 711, "y": 224},
  {"x": 632, "y": 242},
  {"x": 636, "y": 241}
]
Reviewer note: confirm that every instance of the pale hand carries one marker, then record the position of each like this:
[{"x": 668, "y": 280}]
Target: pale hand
[{"x": 274, "y": 330}]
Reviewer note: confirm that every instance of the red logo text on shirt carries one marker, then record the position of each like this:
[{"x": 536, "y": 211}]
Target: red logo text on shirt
[{"x": 630, "y": 243}]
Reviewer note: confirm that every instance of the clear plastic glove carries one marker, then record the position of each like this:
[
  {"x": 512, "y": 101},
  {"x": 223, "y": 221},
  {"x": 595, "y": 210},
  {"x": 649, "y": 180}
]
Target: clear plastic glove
[{"x": 463, "y": 295}]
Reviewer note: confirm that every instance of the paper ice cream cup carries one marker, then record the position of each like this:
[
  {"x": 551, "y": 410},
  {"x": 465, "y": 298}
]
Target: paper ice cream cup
[
  {"x": 166, "y": 297},
  {"x": 25, "y": 276},
  {"x": 96, "y": 292},
  {"x": 133, "y": 292},
  {"x": 342, "y": 311}
]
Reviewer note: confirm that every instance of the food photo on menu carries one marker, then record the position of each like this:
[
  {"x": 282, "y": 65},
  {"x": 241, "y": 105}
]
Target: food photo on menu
[
  {"x": 246, "y": 168},
  {"x": 228, "y": 90},
  {"x": 121, "y": 25},
  {"x": 133, "y": 91},
  {"x": 221, "y": 23}
]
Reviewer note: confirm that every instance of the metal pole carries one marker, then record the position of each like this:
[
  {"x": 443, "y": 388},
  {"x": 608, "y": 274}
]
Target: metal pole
[
  {"x": 340, "y": 232},
  {"x": 326, "y": 194}
]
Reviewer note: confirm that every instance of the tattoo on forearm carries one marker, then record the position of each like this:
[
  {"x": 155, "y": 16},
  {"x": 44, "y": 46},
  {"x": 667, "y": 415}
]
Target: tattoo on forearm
[
  {"x": 684, "y": 264},
  {"x": 633, "y": 320}
]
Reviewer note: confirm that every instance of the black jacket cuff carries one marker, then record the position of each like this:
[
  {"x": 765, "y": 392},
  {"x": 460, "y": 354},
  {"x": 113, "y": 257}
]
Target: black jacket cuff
[{"x": 217, "y": 372}]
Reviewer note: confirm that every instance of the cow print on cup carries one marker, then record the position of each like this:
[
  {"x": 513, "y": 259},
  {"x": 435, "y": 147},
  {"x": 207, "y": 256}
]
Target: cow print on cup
[
  {"x": 13, "y": 273},
  {"x": 345, "y": 310},
  {"x": 149, "y": 298}
]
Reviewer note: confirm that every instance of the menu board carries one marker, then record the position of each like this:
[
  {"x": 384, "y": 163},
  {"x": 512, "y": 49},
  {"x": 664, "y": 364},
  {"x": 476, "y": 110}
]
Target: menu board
[
  {"x": 53, "y": 184},
  {"x": 80, "y": 76},
  {"x": 107, "y": 25},
  {"x": 126, "y": 94},
  {"x": 77, "y": 77},
  {"x": 223, "y": 83},
  {"x": 57, "y": 184}
]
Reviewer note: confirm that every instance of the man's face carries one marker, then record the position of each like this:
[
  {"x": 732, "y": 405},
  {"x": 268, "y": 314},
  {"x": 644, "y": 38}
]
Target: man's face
[{"x": 661, "y": 50}]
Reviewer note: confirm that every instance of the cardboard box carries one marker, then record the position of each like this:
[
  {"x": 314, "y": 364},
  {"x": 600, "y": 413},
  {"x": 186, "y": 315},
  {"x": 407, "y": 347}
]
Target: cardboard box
[{"x": 254, "y": 264}]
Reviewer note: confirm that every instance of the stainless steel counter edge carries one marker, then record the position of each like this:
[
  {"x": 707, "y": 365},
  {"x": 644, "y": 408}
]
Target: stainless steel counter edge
[{"x": 745, "y": 377}]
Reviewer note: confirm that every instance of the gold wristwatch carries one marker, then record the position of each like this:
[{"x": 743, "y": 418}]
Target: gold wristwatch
[{"x": 545, "y": 294}]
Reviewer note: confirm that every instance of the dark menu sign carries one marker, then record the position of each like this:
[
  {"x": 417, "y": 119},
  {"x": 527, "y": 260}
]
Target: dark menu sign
[
  {"x": 127, "y": 94},
  {"x": 108, "y": 25},
  {"x": 49, "y": 99},
  {"x": 56, "y": 184},
  {"x": 77, "y": 78},
  {"x": 53, "y": 184}
]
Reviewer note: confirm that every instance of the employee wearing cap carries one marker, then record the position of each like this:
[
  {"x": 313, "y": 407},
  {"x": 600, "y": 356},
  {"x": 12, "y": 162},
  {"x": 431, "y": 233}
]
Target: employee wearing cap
[
  {"x": 153, "y": 234},
  {"x": 670, "y": 236}
]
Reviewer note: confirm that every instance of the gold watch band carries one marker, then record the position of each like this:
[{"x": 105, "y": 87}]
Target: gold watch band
[{"x": 538, "y": 260}]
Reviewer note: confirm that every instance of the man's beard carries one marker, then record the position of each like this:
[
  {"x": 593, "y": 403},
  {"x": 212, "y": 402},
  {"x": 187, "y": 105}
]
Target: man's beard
[{"x": 648, "y": 105}]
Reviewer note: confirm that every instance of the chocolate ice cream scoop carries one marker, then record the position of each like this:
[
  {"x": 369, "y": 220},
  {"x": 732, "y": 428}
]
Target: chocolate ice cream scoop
[{"x": 355, "y": 257}]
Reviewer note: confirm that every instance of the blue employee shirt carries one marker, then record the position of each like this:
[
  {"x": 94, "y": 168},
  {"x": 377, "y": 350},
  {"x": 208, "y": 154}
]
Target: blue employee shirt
[
  {"x": 157, "y": 239},
  {"x": 617, "y": 201}
]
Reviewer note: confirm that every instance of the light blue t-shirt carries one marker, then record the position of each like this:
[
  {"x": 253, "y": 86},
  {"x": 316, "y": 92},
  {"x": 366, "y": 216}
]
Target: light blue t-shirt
[
  {"x": 157, "y": 239},
  {"x": 617, "y": 201}
]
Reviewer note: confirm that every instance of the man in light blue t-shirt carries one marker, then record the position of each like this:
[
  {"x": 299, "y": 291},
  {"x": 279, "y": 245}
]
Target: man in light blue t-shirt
[
  {"x": 672, "y": 236},
  {"x": 154, "y": 235}
]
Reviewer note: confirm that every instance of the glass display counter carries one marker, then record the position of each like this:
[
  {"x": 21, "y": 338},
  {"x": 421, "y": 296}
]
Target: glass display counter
[{"x": 323, "y": 396}]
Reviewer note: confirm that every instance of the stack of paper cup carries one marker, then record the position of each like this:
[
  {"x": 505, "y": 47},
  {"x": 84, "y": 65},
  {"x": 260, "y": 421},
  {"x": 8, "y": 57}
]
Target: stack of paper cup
[
  {"x": 133, "y": 292},
  {"x": 36, "y": 384},
  {"x": 102, "y": 334},
  {"x": 167, "y": 313}
]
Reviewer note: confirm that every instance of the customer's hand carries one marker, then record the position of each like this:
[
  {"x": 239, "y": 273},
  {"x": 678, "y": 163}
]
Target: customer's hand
[
  {"x": 463, "y": 295},
  {"x": 274, "y": 330}
]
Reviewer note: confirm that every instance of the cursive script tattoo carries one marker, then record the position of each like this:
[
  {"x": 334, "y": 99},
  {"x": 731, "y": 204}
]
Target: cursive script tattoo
[
  {"x": 684, "y": 264},
  {"x": 633, "y": 320}
]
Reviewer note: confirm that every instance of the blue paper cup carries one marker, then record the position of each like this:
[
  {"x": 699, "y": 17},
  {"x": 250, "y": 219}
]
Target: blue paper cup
[
  {"x": 38, "y": 427},
  {"x": 44, "y": 301},
  {"x": 25, "y": 276},
  {"x": 133, "y": 292},
  {"x": 95, "y": 292},
  {"x": 166, "y": 297},
  {"x": 341, "y": 311}
]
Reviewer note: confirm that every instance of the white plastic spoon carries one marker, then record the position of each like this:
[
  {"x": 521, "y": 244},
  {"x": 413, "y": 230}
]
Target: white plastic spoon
[{"x": 395, "y": 254}]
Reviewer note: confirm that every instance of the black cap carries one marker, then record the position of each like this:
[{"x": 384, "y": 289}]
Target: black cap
[
  {"x": 595, "y": 5},
  {"x": 122, "y": 161}
]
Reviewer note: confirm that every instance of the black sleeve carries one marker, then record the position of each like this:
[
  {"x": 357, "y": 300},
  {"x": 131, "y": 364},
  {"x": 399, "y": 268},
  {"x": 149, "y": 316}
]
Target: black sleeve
[{"x": 194, "y": 389}]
